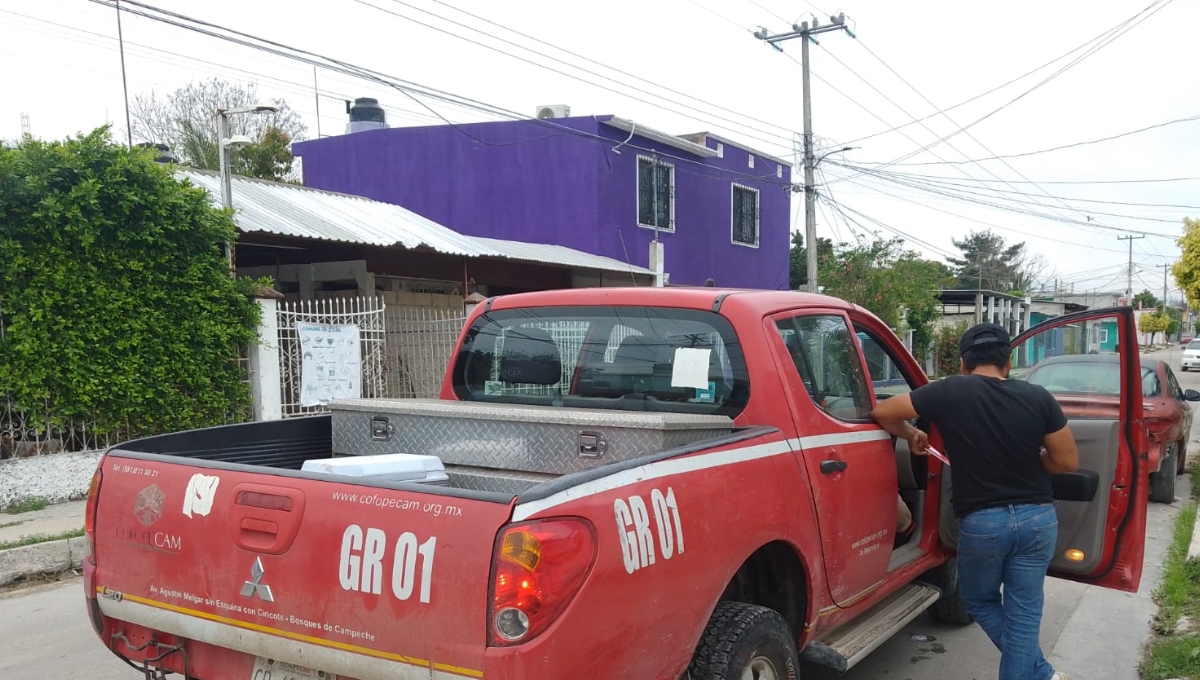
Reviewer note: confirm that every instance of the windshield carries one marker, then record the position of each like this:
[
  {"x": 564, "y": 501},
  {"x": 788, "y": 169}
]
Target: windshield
[
  {"x": 629, "y": 358},
  {"x": 1082, "y": 377},
  {"x": 1195, "y": 344}
]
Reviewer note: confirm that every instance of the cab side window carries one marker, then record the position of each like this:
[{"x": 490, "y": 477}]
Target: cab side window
[
  {"x": 884, "y": 373},
  {"x": 825, "y": 354}
]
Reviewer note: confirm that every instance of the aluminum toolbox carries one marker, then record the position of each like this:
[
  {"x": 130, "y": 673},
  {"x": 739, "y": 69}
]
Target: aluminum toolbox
[{"x": 529, "y": 443}]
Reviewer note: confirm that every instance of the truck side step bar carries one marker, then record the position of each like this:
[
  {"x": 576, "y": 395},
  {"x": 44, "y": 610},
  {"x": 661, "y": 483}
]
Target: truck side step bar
[{"x": 844, "y": 647}]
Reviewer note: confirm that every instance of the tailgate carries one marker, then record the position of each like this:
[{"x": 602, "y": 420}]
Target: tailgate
[{"x": 375, "y": 582}]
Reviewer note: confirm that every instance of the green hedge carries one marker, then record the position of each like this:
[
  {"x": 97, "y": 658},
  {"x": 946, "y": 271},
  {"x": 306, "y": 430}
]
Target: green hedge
[{"x": 117, "y": 305}]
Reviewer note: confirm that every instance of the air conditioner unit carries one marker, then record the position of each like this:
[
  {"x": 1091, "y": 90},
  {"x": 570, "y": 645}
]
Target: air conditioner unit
[{"x": 553, "y": 111}]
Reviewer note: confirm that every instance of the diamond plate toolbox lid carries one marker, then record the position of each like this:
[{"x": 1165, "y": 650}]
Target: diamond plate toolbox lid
[{"x": 550, "y": 415}]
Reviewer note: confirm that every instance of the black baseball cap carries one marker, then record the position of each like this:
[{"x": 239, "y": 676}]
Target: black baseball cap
[{"x": 983, "y": 335}]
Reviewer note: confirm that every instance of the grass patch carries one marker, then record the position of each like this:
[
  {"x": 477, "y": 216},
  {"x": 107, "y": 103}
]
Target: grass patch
[
  {"x": 1179, "y": 592},
  {"x": 1173, "y": 657},
  {"x": 27, "y": 505},
  {"x": 40, "y": 538},
  {"x": 1178, "y": 595}
]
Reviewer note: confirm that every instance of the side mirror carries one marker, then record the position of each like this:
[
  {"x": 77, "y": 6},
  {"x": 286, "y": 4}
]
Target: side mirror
[{"x": 1191, "y": 395}]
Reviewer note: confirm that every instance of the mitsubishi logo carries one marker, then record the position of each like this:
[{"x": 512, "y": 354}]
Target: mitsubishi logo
[{"x": 255, "y": 586}]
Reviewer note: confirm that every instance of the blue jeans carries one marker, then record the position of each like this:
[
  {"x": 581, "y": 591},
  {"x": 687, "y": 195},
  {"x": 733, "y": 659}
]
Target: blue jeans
[{"x": 1009, "y": 546}]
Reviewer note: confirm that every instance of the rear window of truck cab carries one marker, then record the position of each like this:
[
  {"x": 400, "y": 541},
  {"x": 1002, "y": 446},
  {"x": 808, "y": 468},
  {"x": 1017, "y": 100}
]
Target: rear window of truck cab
[{"x": 627, "y": 358}]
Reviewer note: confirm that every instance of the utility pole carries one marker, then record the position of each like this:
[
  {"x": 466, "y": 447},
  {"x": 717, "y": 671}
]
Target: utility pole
[
  {"x": 1129, "y": 274},
  {"x": 1164, "y": 299},
  {"x": 806, "y": 33}
]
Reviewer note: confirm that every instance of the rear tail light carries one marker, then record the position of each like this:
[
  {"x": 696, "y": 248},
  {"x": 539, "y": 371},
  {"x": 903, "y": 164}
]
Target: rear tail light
[
  {"x": 89, "y": 514},
  {"x": 537, "y": 570}
]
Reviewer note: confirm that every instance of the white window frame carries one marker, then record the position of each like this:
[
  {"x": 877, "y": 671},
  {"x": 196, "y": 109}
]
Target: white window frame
[
  {"x": 757, "y": 215},
  {"x": 637, "y": 194},
  {"x": 1103, "y": 335}
]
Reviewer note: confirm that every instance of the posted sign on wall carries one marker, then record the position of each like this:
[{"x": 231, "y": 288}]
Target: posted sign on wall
[{"x": 330, "y": 363}]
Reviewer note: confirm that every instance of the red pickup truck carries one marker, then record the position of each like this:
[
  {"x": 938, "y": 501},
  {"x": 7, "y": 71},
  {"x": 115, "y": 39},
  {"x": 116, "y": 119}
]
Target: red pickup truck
[{"x": 641, "y": 483}]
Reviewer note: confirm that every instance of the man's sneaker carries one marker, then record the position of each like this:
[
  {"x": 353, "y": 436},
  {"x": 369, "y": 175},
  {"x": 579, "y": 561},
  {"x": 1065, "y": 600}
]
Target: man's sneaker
[{"x": 1060, "y": 676}]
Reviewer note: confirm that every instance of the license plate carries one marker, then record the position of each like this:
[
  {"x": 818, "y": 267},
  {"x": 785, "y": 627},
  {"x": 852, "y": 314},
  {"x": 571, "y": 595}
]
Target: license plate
[{"x": 270, "y": 669}]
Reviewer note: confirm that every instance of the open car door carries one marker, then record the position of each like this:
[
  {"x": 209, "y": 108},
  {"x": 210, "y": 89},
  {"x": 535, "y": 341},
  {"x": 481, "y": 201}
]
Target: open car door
[{"x": 1102, "y": 506}]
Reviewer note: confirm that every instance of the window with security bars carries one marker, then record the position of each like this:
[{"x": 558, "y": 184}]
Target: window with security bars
[
  {"x": 745, "y": 215},
  {"x": 656, "y": 194}
]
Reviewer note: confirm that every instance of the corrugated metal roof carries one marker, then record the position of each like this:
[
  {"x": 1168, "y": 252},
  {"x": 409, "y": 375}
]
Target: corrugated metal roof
[
  {"x": 568, "y": 257},
  {"x": 293, "y": 210}
]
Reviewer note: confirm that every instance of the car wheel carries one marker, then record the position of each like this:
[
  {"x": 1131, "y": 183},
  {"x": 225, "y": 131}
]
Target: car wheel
[
  {"x": 950, "y": 607},
  {"x": 1162, "y": 483},
  {"x": 744, "y": 641}
]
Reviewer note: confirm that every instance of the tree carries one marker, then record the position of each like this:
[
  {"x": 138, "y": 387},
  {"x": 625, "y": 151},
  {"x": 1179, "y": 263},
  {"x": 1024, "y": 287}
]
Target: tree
[
  {"x": 988, "y": 262},
  {"x": 117, "y": 305},
  {"x": 895, "y": 284},
  {"x": 1187, "y": 269},
  {"x": 1153, "y": 323},
  {"x": 185, "y": 120},
  {"x": 798, "y": 266},
  {"x": 1145, "y": 300}
]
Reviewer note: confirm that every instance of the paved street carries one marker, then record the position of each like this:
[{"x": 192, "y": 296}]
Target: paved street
[{"x": 46, "y": 635}]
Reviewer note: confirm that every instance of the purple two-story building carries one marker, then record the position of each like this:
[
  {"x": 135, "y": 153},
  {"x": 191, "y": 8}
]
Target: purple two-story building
[{"x": 600, "y": 184}]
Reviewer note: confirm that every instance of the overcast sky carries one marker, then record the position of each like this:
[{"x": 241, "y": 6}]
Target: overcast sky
[{"x": 61, "y": 66}]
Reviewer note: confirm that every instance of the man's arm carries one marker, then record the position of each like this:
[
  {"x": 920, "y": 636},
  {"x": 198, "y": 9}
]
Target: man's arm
[
  {"x": 1060, "y": 453},
  {"x": 893, "y": 415}
]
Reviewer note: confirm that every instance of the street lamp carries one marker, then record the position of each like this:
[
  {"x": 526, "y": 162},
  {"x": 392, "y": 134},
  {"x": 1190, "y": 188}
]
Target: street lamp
[{"x": 226, "y": 143}]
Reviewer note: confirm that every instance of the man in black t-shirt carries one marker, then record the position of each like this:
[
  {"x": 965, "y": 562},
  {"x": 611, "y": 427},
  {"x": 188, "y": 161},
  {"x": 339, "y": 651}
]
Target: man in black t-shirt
[{"x": 1004, "y": 438}]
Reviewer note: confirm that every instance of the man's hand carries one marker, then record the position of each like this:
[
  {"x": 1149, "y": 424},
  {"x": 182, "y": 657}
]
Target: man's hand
[
  {"x": 893, "y": 415},
  {"x": 918, "y": 442}
]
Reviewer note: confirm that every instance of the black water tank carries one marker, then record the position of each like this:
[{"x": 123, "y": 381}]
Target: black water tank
[{"x": 365, "y": 114}]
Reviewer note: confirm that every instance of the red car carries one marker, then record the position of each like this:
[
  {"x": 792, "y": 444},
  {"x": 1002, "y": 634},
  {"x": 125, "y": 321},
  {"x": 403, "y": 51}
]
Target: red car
[{"x": 1088, "y": 385}]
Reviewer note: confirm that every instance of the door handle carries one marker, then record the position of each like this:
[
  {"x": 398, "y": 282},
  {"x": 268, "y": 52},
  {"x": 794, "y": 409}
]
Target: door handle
[{"x": 828, "y": 467}]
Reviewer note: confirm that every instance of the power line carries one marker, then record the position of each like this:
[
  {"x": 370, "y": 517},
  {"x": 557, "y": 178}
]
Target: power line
[
  {"x": 1006, "y": 84},
  {"x": 543, "y": 65},
  {"x": 1161, "y": 180},
  {"x": 611, "y": 67},
  {"x": 929, "y": 179},
  {"x": 407, "y": 87},
  {"x": 984, "y": 223},
  {"x": 970, "y": 135},
  {"x": 1021, "y": 211},
  {"x": 146, "y": 51},
  {"x": 931, "y": 131},
  {"x": 1133, "y": 23},
  {"x": 1060, "y": 148},
  {"x": 722, "y": 17}
]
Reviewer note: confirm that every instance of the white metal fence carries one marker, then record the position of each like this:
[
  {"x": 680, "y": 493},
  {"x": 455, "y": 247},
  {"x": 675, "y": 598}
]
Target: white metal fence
[
  {"x": 367, "y": 313},
  {"x": 420, "y": 345}
]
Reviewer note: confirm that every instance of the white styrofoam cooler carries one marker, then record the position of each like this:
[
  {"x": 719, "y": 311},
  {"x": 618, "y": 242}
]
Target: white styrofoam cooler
[{"x": 392, "y": 467}]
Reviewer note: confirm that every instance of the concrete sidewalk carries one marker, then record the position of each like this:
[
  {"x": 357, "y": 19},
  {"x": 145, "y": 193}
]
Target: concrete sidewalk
[{"x": 48, "y": 557}]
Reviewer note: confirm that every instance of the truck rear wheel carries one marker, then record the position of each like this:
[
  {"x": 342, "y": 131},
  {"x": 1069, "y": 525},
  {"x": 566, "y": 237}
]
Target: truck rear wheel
[
  {"x": 745, "y": 642},
  {"x": 950, "y": 607}
]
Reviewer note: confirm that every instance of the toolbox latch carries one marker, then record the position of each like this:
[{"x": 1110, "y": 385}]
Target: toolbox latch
[
  {"x": 381, "y": 429},
  {"x": 591, "y": 444}
]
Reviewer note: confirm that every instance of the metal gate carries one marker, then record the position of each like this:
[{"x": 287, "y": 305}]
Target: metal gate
[{"x": 365, "y": 313}]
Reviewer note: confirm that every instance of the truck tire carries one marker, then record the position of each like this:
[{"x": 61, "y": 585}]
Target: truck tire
[
  {"x": 950, "y": 607},
  {"x": 1162, "y": 483},
  {"x": 745, "y": 641}
]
